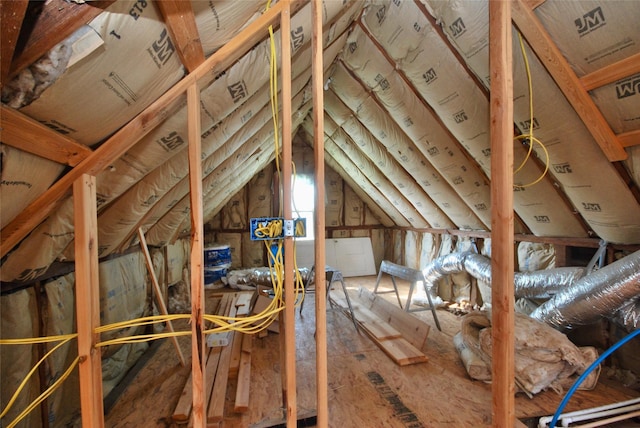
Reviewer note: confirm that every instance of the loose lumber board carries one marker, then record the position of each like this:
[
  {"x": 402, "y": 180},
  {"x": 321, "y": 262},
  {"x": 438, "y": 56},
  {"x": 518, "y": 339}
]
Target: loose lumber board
[
  {"x": 215, "y": 410},
  {"x": 244, "y": 376},
  {"x": 412, "y": 328},
  {"x": 437, "y": 394},
  {"x": 385, "y": 336},
  {"x": 401, "y": 351}
]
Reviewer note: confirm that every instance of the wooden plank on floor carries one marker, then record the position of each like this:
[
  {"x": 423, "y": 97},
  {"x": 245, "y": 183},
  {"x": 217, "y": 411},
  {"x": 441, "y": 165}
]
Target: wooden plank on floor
[
  {"x": 390, "y": 340},
  {"x": 402, "y": 352},
  {"x": 380, "y": 330},
  {"x": 236, "y": 351},
  {"x": 215, "y": 411},
  {"x": 244, "y": 375},
  {"x": 183, "y": 408},
  {"x": 182, "y": 412},
  {"x": 412, "y": 328},
  {"x": 211, "y": 370}
]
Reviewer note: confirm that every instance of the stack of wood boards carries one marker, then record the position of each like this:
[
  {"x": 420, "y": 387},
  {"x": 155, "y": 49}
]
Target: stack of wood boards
[
  {"x": 398, "y": 333},
  {"x": 232, "y": 361}
]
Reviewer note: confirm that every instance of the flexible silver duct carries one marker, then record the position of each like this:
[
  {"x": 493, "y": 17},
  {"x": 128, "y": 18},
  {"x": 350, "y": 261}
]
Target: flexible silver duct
[
  {"x": 612, "y": 291},
  {"x": 539, "y": 284}
]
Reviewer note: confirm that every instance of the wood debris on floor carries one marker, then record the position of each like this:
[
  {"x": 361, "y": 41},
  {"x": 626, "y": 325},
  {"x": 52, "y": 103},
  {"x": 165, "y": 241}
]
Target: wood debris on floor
[{"x": 365, "y": 387}]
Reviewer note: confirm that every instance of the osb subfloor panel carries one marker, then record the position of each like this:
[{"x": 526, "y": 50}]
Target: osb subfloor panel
[{"x": 365, "y": 388}]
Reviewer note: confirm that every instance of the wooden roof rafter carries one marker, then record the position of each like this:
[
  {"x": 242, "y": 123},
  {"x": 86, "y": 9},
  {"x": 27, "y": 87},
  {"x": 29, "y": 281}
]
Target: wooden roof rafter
[
  {"x": 56, "y": 21},
  {"x": 138, "y": 127},
  {"x": 11, "y": 15},
  {"x": 181, "y": 23},
  {"x": 558, "y": 67}
]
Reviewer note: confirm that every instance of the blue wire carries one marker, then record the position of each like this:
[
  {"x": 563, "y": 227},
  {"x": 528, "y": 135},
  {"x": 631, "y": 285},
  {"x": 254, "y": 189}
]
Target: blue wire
[{"x": 589, "y": 369}]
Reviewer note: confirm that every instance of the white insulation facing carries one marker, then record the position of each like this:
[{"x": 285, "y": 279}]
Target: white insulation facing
[
  {"x": 588, "y": 179},
  {"x": 423, "y": 58},
  {"x": 406, "y": 128},
  {"x": 153, "y": 174}
]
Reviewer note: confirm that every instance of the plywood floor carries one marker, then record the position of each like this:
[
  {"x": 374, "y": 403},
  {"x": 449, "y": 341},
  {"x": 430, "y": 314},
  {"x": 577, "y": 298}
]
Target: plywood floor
[{"x": 366, "y": 388}]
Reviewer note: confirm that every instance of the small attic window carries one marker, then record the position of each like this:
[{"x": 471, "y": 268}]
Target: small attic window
[{"x": 302, "y": 203}]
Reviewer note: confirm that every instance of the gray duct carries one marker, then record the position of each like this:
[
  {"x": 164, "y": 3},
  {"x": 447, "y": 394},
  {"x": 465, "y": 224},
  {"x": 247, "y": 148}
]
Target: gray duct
[
  {"x": 575, "y": 300},
  {"x": 539, "y": 284},
  {"x": 612, "y": 291}
]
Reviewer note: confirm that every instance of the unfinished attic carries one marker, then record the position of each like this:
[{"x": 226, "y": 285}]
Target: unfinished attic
[{"x": 174, "y": 172}]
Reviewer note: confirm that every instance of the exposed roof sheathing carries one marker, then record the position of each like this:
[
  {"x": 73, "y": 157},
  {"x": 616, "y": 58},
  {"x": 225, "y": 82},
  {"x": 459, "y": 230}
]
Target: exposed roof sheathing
[{"x": 406, "y": 116}]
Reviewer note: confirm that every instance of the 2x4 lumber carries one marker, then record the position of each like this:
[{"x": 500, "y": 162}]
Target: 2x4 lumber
[
  {"x": 179, "y": 18},
  {"x": 387, "y": 338},
  {"x": 198, "y": 356},
  {"x": 236, "y": 353},
  {"x": 379, "y": 329},
  {"x": 243, "y": 307},
  {"x": 211, "y": 369},
  {"x": 289, "y": 336},
  {"x": 11, "y": 15},
  {"x": 137, "y": 128},
  {"x": 244, "y": 375},
  {"x": 609, "y": 74},
  {"x": 412, "y": 328},
  {"x": 88, "y": 300},
  {"x": 566, "y": 79},
  {"x": 57, "y": 20},
  {"x": 215, "y": 411},
  {"x": 502, "y": 221},
  {"x": 317, "y": 77},
  {"x": 532, "y": 4},
  {"x": 631, "y": 138},
  {"x": 158, "y": 293},
  {"x": 400, "y": 351},
  {"x": 31, "y": 136},
  {"x": 183, "y": 408}
]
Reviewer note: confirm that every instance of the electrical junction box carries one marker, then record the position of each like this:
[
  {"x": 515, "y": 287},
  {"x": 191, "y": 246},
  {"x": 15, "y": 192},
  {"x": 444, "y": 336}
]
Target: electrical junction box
[{"x": 265, "y": 228}]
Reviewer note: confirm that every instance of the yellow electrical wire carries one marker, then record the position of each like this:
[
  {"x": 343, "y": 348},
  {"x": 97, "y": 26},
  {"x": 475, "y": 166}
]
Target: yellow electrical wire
[
  {"x": 64, "y": 339},
  {"x": 529, "y": 135},
  {"x": 250, "y": 324},
  {"x": 44, "y": 394}
]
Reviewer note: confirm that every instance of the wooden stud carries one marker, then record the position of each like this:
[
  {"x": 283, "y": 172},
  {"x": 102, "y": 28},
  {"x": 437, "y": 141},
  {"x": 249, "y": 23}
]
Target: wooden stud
[
  {"x": 198, "y": 356},
  {"x": 289, "y": 292},
  {"x": 566, "y": 79},
  {"x": 319, "y": 219},
  {"x": 158, "y": 292},
  {"x": 88, "y": 300},
  {"x": 502, "y": 217}
]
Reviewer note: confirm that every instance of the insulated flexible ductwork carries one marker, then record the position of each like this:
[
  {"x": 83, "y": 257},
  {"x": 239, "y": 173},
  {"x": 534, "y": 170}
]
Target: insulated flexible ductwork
[
  {"x": 612, "y": 291},
  {"x": 539, "y": 284}
]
